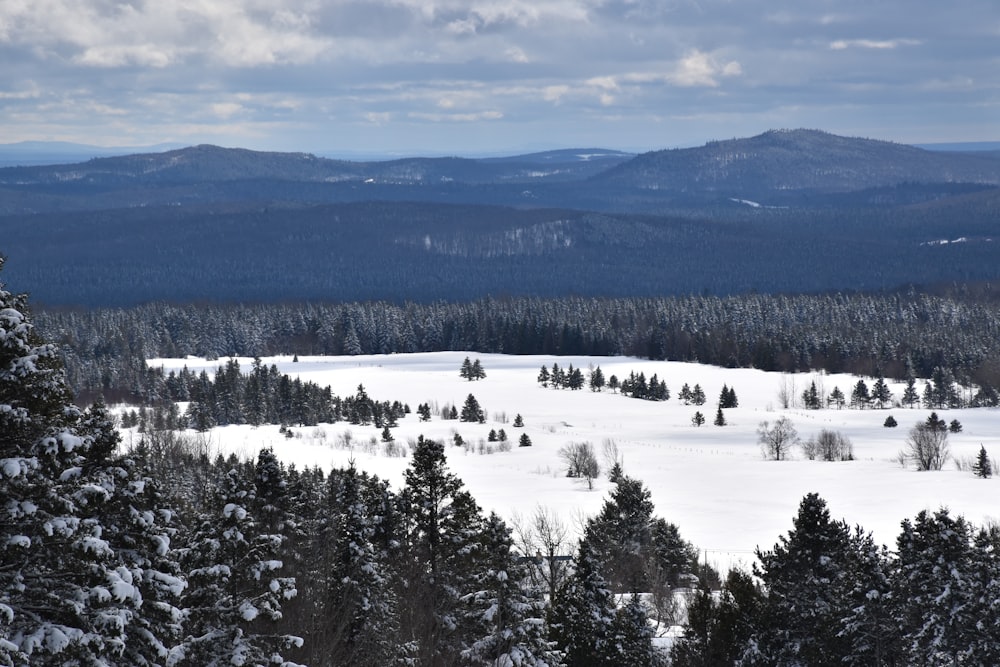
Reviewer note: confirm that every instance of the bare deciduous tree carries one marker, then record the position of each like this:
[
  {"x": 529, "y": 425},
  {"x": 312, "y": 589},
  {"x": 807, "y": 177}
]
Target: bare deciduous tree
[
  {"x": 581, "y": 461},
  {"x": 544, "y": 540},
  {"x": 928, "y": 446},
  {"x": 777, "y": 439}
]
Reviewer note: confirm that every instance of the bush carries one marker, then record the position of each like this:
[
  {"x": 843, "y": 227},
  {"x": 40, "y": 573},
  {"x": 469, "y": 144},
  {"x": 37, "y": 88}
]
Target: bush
[
  {"x": 890, "y": 422},
  {"x": 828, "y": 446},
  {"x": 927, "y": 445},
  {"x": 581, "y": 461}
]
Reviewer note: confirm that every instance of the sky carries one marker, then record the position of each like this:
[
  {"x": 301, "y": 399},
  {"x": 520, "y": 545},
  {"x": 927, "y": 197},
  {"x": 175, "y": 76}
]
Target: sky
[{"x": 475, "y": 77}]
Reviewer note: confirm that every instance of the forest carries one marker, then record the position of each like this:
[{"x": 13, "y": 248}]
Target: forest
[
  {"x": 890, "y": 334},
  {"x": 158, "y": 554}
]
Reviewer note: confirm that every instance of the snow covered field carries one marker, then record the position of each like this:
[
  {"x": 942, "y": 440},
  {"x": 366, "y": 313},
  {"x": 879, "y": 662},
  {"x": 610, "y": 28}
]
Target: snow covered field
[{"x": 711, "y": 481}]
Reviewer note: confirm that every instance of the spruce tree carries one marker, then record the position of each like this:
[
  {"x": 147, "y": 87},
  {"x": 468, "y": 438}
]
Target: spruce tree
[
  {"x": 933, "y": 585},
  {"x": 66, "y": 595},
  {"x": 358, "y": 619},
  {"x": 983, "y": 467},
  {"x": 807, "y": 576},
  {"x": 505, "y": 615},
  {"x": 471, "y": 411},
  {"x": 584, "y": 614},
  {"x": 235, "y": 586},
  {"x": 442, "y": 524}
]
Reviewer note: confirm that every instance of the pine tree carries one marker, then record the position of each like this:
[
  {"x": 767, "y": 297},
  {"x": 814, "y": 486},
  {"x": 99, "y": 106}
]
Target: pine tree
[
  {"x": 543, "y": 376},
  {"x": 810, "y": 397},
  {"x": 358, "y": 620},
  {"x": 684, "y": 395},
  {"x": 807, "y": 578},
  {"x": 860, "y": 397},
  {"x": 880, "y": 393},
  {"x": 719, "y": 628},
  {"x": 138, "y": 526},
  {"x": 933, "y": 588},
  {"x": 506, "y": 617},
  {"x": 983, "y": 591},
  {"x": 518, "y": 421},
  {"x": 837, "y": 398},
  {"x": 466, "y": 370},
  {"x": 720, "y": 418},
  {"x": 478, "y": 373},
  {"x": 524, "y": 441},
  {"x": 442, "y": 525},
  {"x": 235, "y": 591},
  {"x": 583, "y": 615},
  {"x": 870, "y": 628},
  {"x": 66, "y": 597},
  {"x": 910, "y": 395},
  {"x": 471, "y": 411},
  {"x": 621, "y": 536},
  {"x": 698, "y": 395},
  {"x": 698, "y": 419},
  {"x": 596, "y": 379},
  {"x": 983, "y": 467},
  {"x": 634, "y": 635}
]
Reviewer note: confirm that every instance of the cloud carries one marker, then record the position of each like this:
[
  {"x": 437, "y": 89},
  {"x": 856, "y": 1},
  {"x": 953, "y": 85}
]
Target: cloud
[
  {"x": 457, "y": 117},
  {"x": 378, "y": 73},
  {"x": 887, "y": 44},
  {"x": 701, "y": 69}
]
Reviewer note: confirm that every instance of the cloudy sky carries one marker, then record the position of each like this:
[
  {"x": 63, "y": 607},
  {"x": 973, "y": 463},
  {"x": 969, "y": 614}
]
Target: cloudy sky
[{"x": 469, "y": 77}]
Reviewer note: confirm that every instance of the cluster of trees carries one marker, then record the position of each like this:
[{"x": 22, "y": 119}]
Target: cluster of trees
[
  {"x": 472, "y": 370},
  {"x": 570, "y": 378},
  {"x": 827, "y": 594},
  {"x": 264, "y": 396},
  {"x": 105, "y": 350},
  {"x": 636, "y": 386}
]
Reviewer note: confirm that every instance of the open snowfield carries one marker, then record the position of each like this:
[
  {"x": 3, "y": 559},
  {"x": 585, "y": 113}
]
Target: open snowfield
[{"x": 711, "y": 481}]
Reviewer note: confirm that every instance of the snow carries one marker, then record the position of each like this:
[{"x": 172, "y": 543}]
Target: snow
[
  {"x": 231, "y": 508},
  {"x": 711, "y": 481}
]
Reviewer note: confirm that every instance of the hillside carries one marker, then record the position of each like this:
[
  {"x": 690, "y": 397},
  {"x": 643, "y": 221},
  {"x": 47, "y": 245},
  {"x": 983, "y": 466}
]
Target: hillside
[
  {"x": 786, "y": 211},
  {"x": 789, "y": 160}
]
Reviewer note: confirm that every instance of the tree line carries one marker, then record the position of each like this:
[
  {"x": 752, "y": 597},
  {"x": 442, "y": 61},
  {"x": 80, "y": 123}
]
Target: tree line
[{"x": 893, "y": 335}]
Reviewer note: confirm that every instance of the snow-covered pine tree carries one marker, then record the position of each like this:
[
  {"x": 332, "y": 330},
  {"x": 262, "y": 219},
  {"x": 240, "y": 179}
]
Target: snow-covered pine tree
[
  {"x": 64, "y": 596},
  {"x": 983, "y": 604},
  {"x": 357, "y": 610},
  {"x": 621, "y": 537},
  {"x": 634, "y": 636},
  {"x": 505, "y": 616},
  {"x": 870, "y": 628},
  {"x": 719, "y": 627},
  {"x": 807, "y": 578},
  {"x": 933, "y": 588},
  {"x": 138, "y": 526},
  {"x": 439, "y": 543},
  {"x": 235, "y": 592},
  {"x": 584, "y": 614}
]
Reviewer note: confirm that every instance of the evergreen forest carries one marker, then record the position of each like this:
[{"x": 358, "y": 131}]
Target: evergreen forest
[{"x": 158, "y": 554}]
